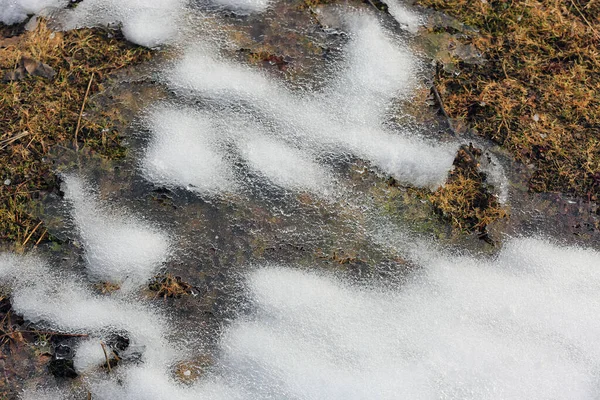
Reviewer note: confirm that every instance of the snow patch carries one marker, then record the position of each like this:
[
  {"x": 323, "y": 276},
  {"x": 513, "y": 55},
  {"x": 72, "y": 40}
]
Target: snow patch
[
  {"x": 521, "y": 326},
  {"x": 183, "y": 151},
  {"x": 88, "y": 355},
  {"x": 345, "y": 118},
  {"x": 16, "y": 11},
  {"x": 148, "y": 23},
  {"x": 285, "y": 166},
  {"x": 118, "y": 247},
  {"x": 248, "y": 6},
  {"x": 407, "y": 18}
]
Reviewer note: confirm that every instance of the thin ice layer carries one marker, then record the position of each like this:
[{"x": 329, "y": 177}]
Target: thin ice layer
[
  {"x": 118, "y": 247},
  {"x": 347, "y": 117},
  {"x": 521, "y": 326},
  {"x": 184, "y": 151}
]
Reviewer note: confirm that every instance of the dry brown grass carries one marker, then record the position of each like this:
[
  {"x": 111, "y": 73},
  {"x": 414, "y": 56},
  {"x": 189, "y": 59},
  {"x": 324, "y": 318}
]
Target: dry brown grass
[
  {"x": 190, "y": 371},
  {"x": 106, "y": 287},
  {"x": 37, "y": 114},
  {"x": 169, "y": 286},
  {"x": 539, "y": 92},
  {"x": 466, "y": 200}
]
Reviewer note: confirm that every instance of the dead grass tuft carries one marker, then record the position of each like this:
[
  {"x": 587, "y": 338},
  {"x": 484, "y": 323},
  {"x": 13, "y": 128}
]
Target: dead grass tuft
[
  {"x": 190, "y": 371},
  {"x": 169, "y": 286},
  {"x": 106, "y": 287},
  {"x": 467, "y": 200}
]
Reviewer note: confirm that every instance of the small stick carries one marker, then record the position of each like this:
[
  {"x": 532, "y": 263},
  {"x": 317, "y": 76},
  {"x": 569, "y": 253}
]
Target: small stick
[
  {"x": 32, "y": 232},
  {"x": 41, "y": 237},
  {"x": 58, "y": 333},
  {"x": 4, "y": 143},
  {"x": 87, "y": 92},
  {"x": 438, "y": 98},
  {"x": 106, "y": 356},
  {"x": 373, "y": 4}
]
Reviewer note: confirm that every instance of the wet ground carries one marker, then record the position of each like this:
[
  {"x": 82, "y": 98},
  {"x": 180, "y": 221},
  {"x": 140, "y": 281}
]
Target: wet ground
[{"x": 219, "y": 239}]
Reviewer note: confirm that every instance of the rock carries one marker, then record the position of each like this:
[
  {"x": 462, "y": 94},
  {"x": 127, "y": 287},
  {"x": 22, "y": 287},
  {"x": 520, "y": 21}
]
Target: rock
[
  {"x": 61, "y": 365},
  {"x": 15, "y": 75},
  {"x": 37, "y": 68}
]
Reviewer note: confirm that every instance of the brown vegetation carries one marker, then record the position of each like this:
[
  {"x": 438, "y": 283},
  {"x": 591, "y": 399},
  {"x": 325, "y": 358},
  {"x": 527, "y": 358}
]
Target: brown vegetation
[
  {"x": 169, "y": 285},
  {"x": 538, "y": 93},
  {"x": 40, "y": 113},
  {"x": 466, "y": 200}
]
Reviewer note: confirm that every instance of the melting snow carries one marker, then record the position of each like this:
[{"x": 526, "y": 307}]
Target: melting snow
[
  {"x": 520, "y": 325},
  {"x": 118, "y": 248}
]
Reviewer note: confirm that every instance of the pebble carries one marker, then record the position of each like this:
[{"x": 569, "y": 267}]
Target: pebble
[{"x": 7, "y": 182}]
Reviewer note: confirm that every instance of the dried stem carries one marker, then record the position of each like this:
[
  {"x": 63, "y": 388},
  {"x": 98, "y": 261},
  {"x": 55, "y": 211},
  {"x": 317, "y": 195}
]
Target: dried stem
[{"x": 87, "y": 92}]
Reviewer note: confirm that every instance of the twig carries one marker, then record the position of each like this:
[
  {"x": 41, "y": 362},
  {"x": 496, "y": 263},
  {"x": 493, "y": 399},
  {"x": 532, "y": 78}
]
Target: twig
[
  {"x": 438, "y": 98},
  {"x": 41, "y": 237},
  {"x": 32, "y": 232},
  {"x": 87, "y": 92},
  {"x": 106, "y": 356},
  {"x": 373, "y": 4},
  {"x": 57, "y": 333},
  {"x": 4, "y": 143}
]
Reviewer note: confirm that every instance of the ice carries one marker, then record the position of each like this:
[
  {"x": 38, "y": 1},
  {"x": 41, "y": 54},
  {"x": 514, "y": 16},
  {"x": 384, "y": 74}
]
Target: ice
[
  {"x": 184, "y": 151},
  {"x": 285, "y": 166},
  {"x": 522, "y": 325},
  {"x": 248, "y": 6},
  {"x": 347, "y": 117},
  {"x": 119, "y": 248},
  {"x": 89, "y": 354},
  {"x": 148, "y": 23},
  {"x": 407, "y": 18},
  {"x": 16, "y": 11}
]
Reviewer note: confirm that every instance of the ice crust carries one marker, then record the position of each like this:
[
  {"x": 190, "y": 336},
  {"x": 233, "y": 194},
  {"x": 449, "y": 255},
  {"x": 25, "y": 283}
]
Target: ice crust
[
  {"x": 521, "y": 324},
  {"x": 345, "y": 118},
  {"x": 118, "y": 248}
]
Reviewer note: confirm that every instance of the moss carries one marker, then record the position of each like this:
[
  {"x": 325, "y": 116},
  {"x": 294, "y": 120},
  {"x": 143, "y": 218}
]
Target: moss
[
  {"x": 39, "y": 114},
  {"x": 466, "y": 200},
  {"x": 538, "y": 94},
  {"x": 169, "y": 286}
]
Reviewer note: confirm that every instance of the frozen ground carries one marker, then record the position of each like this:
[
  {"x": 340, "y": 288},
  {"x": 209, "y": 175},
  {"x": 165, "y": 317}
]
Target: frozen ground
[{"x": 519, "y": 324}]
